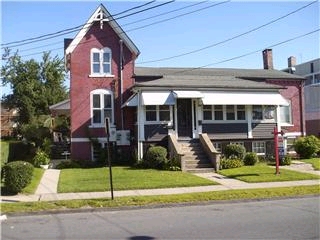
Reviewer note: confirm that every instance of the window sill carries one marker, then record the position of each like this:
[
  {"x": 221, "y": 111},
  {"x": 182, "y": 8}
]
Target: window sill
[
  {"x": 286, "y": 124},
  {"x": 101, "y": 75}
]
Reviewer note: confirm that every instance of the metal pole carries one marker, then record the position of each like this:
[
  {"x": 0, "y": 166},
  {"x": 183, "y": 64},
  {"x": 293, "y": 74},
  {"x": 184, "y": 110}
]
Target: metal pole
[
  {"x": 276, "y": 150},
  {"x": 110, "y": 168}
]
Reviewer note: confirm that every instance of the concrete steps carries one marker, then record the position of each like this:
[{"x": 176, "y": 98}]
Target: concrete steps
[{"x": 195, "y": 159}]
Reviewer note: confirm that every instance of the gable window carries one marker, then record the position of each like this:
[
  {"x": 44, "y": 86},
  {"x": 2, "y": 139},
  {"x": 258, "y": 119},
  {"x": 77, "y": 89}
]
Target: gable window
[
  {"x": 101, "y": 62},
  {"x": 157, "y": 113},
  {"x": 101, "y": 106}
]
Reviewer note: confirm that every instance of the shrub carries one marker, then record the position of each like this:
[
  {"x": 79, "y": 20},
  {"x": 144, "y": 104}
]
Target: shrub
[
  {"x": 68, "y": 164},
  {"x": 250, "y": 159},
  {"x": 41, "y": 158},
  {"x": 234, "y": 151},
  {"x": 17, "y": 175},
  {"x": 286, "y": 160},
  {"x": 156, "y": 157},
  {"x": 306, "y": 147},
  {"x": 230, "y": 163}
]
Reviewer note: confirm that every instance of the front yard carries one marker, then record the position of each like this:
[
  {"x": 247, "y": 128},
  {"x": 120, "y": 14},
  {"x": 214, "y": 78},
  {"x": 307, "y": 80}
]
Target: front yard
[
  {"x": 125, "y": 178},
  {"x": 262, "y": 172}
]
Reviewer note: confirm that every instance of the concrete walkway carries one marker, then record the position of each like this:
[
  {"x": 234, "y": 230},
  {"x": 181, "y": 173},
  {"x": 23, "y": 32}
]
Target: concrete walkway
[{"x": 47, "y": 189}]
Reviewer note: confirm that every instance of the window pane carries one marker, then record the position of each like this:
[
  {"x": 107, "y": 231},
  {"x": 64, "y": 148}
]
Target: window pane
[
  {"x": 96, "y": 101},
  {"x": 96, "y": 68},
  {"x": 106, "y": 57},
  {"x": 268, "y": 112},
  {"x": 164, "y": 115},
  {"x": 106, "y": 68},
  {"x": 96, "y": 57},
  {"x": 241, "y": 113},
  {"x": 96, "y": 116},
  {"x": 230, "y": 112},
  {"x": 108, "y": 113},
  {"x": 285, "y": 114},
  {"x": 218, "y": 114},
  {"x": 151, "y": 108},
  {"x": 107, "y": 101},
  {"x": 151, "y": 116},
  {"x": 257, "y": 112},
  {"x": 207, "y": 115}
]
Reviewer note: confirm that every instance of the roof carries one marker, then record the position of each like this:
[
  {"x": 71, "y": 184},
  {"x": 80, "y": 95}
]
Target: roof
[
  {"x": 209, "y": 77},
  {"x": 101, "y": 14},
  {"x": 231, "y": 72}
]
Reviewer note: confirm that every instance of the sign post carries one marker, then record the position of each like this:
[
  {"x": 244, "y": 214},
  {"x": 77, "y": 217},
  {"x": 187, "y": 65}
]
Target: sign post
[
  {"x": 107, "y": 128},
  {"x": 276, "y": 149}
]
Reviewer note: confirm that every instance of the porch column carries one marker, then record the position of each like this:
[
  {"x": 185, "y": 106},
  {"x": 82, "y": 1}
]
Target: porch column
[
  {"x": 140, "y": 119},
  {"x": 249, "y": 118}
]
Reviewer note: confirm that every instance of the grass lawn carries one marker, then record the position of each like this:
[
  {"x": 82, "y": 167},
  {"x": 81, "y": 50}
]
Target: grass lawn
[
  {"x": 314, "y": 161},
  {"x": 164, "y": 199},
  {"x": 124, "y": 178},
  {"x": 32, "y": 187},
  {"x": 263, "y": 173}
]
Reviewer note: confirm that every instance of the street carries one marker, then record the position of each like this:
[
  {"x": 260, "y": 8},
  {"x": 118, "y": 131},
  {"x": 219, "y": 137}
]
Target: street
[{"x": 274, "y": 219}]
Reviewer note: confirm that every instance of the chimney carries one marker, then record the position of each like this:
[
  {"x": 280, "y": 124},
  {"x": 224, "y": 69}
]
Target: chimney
[
  {"x": 292, "y": 62},
  {"x": 267, "y": 59}
]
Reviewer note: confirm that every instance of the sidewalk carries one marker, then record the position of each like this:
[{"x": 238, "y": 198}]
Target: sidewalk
[{"x": 47, "y": 189}]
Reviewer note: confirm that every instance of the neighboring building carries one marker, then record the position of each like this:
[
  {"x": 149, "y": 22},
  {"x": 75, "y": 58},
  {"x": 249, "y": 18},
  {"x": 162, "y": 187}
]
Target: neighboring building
[
  {"x": 311, "y": 71},
  {"x": 145, "y": 105},
  {"x": 8, "y": 121}
]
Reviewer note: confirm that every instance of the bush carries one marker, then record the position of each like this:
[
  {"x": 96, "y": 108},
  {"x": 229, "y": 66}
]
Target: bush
[
  {"x": 17, "y": 175},
  {"x": 41, "y": 158},
  {"x": 234, "y": 151},
  {"x": 68, "y": 164},
  {"x": 306, "y": 147},
  {"x": 230, "y": 163},
  {"x": 286, "y": 160},
  {"x": 250, "y": 159},
  {"x": 156, "y": 157}
]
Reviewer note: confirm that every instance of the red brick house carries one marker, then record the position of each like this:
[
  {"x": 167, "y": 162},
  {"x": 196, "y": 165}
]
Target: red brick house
[{"x": 147, "y": 105}]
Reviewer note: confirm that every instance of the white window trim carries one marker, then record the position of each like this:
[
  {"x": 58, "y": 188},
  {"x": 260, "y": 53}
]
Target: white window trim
[
  {"x": 224, "y": 112},
  {"x": 254, "y": 147},
  {"x": 263, "y": 120},
  {"x": 100, "y": 51},
  {"x": 101, "y": 92},
  {"x": 158, "y": 116}
]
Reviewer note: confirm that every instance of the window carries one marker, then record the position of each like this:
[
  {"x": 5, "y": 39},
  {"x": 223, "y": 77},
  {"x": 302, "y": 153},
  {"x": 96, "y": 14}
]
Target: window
[
  {"x": 241, "y": 112},
  {"x": 100, "y": 61},
  {"x": 218, "y": 112},
  {"x": 101, "y": 106},
  {"x": 207, "y": 112},
  {"x": 164, "y": 113},
  {"x": 217, "y": 146},
  {"x": 259, "y": 147},
  {"x": 151, "y": 113},
  {"x": 285, "y": 114},
  {"x": 230, "y": 112},
  {"x": 260, "y": 112},
  {"x": 155, "y": 113}
]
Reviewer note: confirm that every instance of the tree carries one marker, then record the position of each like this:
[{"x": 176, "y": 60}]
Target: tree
[{"x": 35, "y": 85}]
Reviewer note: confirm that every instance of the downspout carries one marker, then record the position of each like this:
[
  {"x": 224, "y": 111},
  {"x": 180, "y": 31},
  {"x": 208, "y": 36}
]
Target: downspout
[
  {"x": 301, "y": 100},
  {"x": 121, "y": 80}
]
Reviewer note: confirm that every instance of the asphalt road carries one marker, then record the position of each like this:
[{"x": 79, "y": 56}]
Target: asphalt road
[{"x": 277, "y": 219}]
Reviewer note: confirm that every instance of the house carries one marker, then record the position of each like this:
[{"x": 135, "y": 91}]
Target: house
[
  {"x": 8, "y": 121},
  {"x": 150, "y": 105},
  {"x": 311, "y": 71}
]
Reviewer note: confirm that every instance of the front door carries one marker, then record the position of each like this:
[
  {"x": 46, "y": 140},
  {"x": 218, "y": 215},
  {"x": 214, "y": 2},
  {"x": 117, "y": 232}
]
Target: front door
[{"x": 184, "y": 116}]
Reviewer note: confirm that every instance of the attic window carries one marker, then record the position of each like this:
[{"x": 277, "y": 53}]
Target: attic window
[{"x": 100, "y": 62}]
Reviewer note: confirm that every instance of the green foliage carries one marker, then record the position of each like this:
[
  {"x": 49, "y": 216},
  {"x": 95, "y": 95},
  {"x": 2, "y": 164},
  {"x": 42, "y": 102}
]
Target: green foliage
[
  {"x": 46, "y": 146},
  {"x": 173, "y": 165},
  {"x": 286, "y": 160},
  {"x": 230, "y": 163},
  {"x": 41, "y": 158},
  {"x": 156, "y": 157},
  {"x": 4, "y": 152},
  {"x": 307, "y": 147},
  {"x": 35, "y": 85},
  {"x": 20, "y": 150},
  {"x": 17, "y": 175},
  {"x": 234, "y": 151},
  {"x": 250, "y": 159},
  {"x": 68, "y": 164}
]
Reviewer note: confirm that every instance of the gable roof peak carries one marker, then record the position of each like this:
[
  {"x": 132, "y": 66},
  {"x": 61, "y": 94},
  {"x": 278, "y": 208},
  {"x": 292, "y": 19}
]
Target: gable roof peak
[{"x": 101, "y": 14}]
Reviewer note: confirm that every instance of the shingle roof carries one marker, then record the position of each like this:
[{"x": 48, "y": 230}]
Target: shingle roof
[
  {"x": 239, "y": 73},
  {"x": 209, "y": 77}
]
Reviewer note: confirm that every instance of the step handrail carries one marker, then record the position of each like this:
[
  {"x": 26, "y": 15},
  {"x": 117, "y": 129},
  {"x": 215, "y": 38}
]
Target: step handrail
[
  {"x": 210, "y": 150},
  {"x": 175, "y": 151}
]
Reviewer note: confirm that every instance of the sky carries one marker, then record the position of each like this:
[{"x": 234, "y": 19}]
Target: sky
[{"x": 218, "y": 34}]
